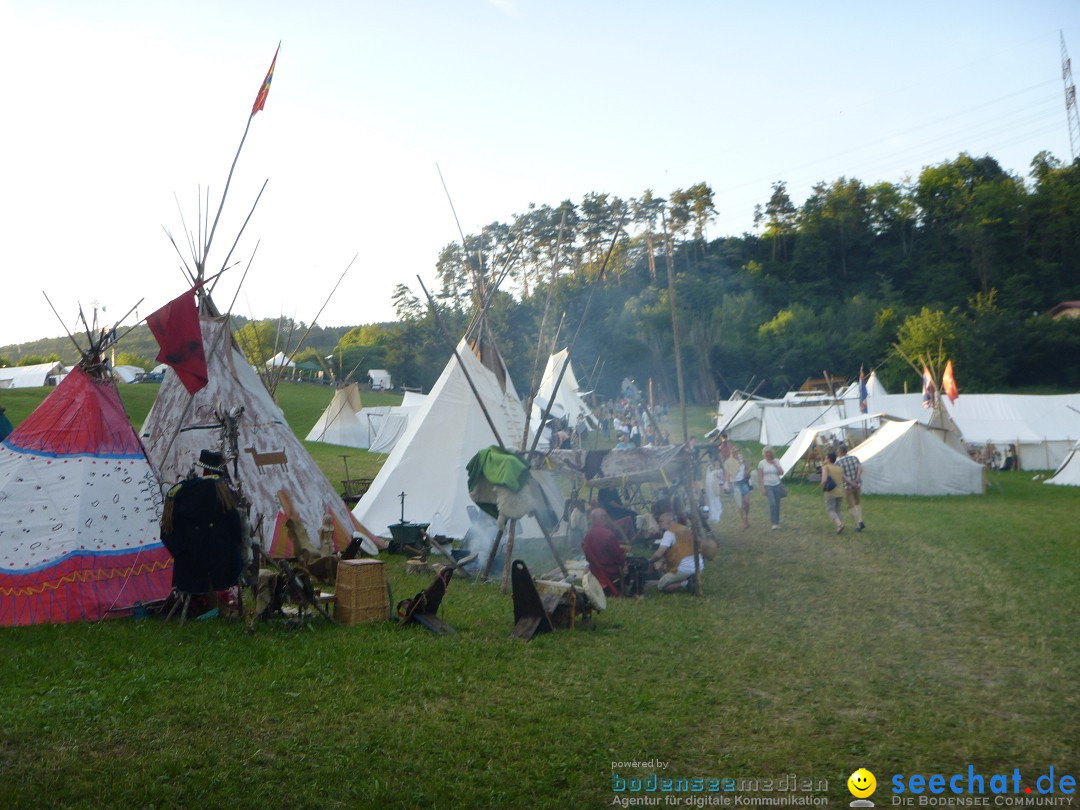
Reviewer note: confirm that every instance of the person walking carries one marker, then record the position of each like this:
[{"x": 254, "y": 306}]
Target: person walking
[
  {"x": 832, "y": 484},
  {"x": 852, "y": 469},
  {"x": 769, "y": 473},
  {"x": 740, "y": 485}
]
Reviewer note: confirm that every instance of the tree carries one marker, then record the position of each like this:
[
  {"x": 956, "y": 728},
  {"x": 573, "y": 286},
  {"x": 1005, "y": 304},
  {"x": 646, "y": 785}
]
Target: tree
[
  {"x": 645, "y": 213},
  {"x": 132, "y": 359},
  {"x": 929, "y": 337},
  {"x": 38, "y": 360},
  {"x": 781, "y": 220},
  {"x": 257, "y": 340}
]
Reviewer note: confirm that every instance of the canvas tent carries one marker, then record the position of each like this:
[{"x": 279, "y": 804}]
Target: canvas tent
[
  {"x": 567, "y": 402},
  {"x": 908, "y": 458},
  {"x": 280, "y": 360},
  {"x": 840, "y": 430},
  {"x": 340, "y": 422},
  {"x": 428, "y": 461},
  {"x": 287, "y": 490},
  {"x": 1068, "y": 474},
  {"x": 347, "y": 423},
  {"x": 1043, "y": 428},
  {"x": 80, "y": 509},
  {"x": 127, "y": 374},
  {"x": 34, "y": 376}
]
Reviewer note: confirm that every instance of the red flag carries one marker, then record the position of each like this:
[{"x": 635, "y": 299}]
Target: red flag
[
  {"x": 176, "y": 328},
  {"x": 948, "y": 383},
  {"x": 929, "y": 391},
  {"x": 264, "y": 91}
]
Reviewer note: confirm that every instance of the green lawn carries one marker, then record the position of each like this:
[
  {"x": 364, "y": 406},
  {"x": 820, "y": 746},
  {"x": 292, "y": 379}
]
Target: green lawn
[{"x": 942, "y": 637}]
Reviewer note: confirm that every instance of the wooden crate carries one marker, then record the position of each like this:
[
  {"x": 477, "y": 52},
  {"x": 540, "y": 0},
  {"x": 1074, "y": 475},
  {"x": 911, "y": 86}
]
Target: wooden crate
[{"x": 361, "y": 592}]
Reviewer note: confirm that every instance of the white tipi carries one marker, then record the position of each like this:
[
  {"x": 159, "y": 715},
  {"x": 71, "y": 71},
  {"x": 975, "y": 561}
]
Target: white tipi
[
  {"x": 568, "y": 399},
  {"x": 289, "y": 495},
  {"x": 448, "y": 428}
]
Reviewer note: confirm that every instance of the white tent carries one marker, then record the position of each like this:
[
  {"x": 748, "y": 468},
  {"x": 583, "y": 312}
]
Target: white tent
[
  {"x": 34, "y": 376},
  {"x": 127, "y": 374},
  {"x": 386, "y": 426},
  {"x": 428, "y": 461},
  {"x": 340, "y": 423},
  {"x": 80, "y": 510},
  {"x": 1043, "y": 428},
  {"x": 907, "y": 458},
  {"x": 1068, "y": 474},
  {"x": 781, "y": 420},
  {"x": 287, "y": 490},
  {"x": 842, "y": 429},
  {"x": 874, "y": 388},
  {"x": 568, "y": 398},
  {"x": 280, "y": 360},
  {"x": 375, "y": 429}
]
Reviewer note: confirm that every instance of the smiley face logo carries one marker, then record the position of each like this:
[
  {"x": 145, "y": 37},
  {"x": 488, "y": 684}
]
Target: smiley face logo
[{"x": 861, "y": 783}]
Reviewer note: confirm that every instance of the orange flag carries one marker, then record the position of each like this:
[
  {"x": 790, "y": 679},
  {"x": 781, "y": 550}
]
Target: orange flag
[
  {"x": 264, "y": 91},
  {"x": 948, "y": 383}
]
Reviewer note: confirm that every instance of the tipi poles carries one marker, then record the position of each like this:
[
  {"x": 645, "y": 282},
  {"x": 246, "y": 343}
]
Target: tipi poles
[
  {"x": 464, "y": 370},
  {"x": 540, "y": 336},
  {"x": 584, "y": 315}
]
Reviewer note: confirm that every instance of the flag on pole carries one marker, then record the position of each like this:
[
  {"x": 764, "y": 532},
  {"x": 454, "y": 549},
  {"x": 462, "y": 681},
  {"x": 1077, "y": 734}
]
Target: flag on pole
[
  {"x": 264, "y": 91},
  {"x": 862, "y": 391},
  {"x": 929, "y": 391},
  {"x": 948, "y": 383},
  {"x": 176, "y": 328}
]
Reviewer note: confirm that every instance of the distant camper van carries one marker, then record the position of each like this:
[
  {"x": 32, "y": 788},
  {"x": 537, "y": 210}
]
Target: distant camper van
[{"x": 380, "y": 379}]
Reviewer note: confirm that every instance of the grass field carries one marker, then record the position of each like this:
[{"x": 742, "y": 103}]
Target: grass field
[{"x": 945, "y": 636}]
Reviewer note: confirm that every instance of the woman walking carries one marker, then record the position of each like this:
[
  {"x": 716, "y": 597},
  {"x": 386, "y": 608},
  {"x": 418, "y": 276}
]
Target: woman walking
[
  {"x": 769, "y": 473},
  {"x": 832, "y": 484}
]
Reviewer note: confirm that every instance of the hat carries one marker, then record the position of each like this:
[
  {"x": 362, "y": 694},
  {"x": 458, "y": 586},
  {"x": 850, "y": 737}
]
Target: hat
[{"x": 211, "y": 460}]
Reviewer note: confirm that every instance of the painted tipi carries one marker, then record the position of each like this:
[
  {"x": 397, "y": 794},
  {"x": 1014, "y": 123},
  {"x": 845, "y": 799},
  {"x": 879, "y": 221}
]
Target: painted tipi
[
  {"x": 80, "y": 509},
  {"x": 289, "y": 495}
]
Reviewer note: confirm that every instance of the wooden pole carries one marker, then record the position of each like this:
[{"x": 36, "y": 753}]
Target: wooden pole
[
  {"x": 491, "y": 554},
  {"x": 540, "y": 337},
  {"x": 509, "y": 554},
  {"x": 690, "y": 471},
  {"x": 584, "y": 314}
]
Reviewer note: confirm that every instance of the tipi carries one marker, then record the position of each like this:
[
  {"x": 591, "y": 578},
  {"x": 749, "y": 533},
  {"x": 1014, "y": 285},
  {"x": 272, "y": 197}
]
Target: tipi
[
  {"x": 448, "y": 428},
  {"x": 288, "y": 493},
  {"x": 1068, "y": 474},
  {"x": 80, "y": 509},
  {"x": 568, "y": 401},
  {"x": 340, "y": 423}
]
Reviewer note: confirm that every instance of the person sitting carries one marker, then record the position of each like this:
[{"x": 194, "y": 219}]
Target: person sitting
[
  {"x": 676, "y": 554},
  {"x": 607, "y": 559}
]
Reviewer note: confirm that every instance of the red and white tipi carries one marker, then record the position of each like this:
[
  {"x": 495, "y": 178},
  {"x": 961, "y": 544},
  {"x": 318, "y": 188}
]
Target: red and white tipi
[{"x": 80, "y": 509}]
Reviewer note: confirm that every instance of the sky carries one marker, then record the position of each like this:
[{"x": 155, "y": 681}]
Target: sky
[{"x": 121, "y": 119}]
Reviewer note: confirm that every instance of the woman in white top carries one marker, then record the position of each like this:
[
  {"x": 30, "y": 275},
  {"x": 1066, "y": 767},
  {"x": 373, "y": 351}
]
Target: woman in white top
[{"x": 769, "y": 472}]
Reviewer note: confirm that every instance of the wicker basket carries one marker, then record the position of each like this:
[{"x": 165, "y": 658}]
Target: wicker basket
[{"x": 361, "y": 592}]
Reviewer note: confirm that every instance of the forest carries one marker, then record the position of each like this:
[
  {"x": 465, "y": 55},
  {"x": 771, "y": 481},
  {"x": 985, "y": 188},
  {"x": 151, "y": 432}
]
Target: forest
[{"x": 963, "y": 262}]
